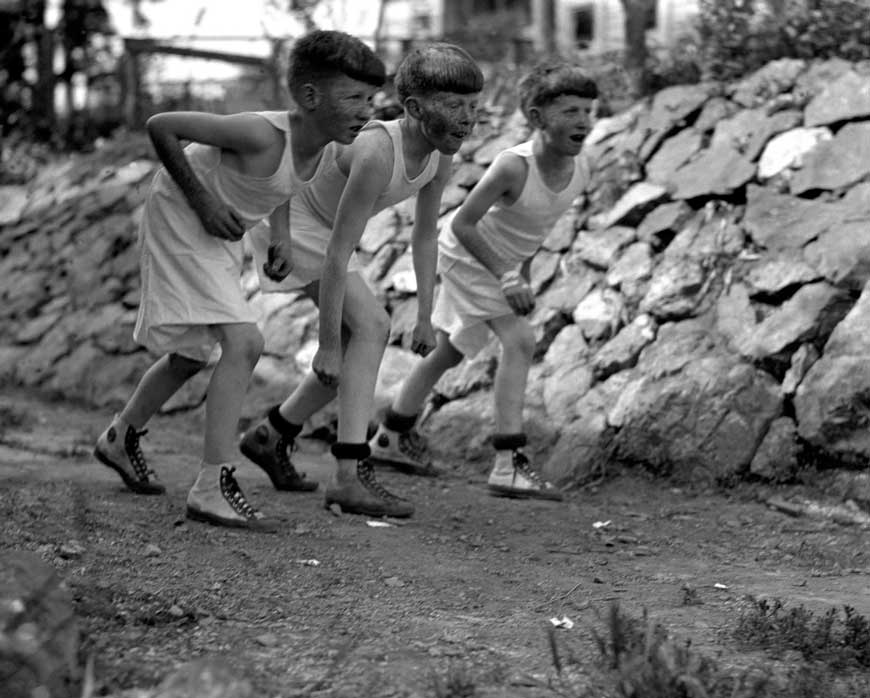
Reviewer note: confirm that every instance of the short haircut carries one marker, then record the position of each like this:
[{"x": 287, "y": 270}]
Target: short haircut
[
  {"x": 438, "y": 67},
  {"x": 551, "y": 79},
  {"x": 322, "y": 54}
]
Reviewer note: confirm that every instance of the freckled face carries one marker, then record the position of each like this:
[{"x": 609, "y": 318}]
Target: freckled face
[
  {"x": 448, "y": 118},
  {"x": 566, "y": 122},
  {"x": 346, "y": 106}
]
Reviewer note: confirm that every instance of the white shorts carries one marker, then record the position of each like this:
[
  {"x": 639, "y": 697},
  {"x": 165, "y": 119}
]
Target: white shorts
[
  {"x": 309, "y": 237},
  {"x": 469, "y": 297},
  {"x": 191, "y": 281}
]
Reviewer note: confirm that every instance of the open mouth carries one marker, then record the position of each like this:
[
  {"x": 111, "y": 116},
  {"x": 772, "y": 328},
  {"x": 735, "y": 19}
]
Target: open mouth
[
  {"x": 578, "y": 138},
  {"x": 461, "y": 135}
]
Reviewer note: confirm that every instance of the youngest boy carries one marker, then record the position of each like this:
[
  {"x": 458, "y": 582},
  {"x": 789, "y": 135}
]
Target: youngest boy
[{"x": 494, "y": 235}]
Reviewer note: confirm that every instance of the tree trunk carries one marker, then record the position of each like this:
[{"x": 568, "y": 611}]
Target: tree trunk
[
  {"x": 544, "y": 20},
  {"x": 637, "y": 13},
  {"x": 43, "y": 93},
  {"x": 379, "y": 27}
]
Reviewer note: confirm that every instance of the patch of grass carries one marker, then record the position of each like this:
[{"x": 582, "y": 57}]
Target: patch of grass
[
  {"x": 640, "y": 660},
  {"x": 839, "y": 641}
]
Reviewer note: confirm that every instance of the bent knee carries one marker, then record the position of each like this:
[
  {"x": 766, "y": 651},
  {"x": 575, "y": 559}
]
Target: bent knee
[
  {"x": 245, "y": 345},
  {"x": 374, "y": 327},
  {"x": 520, "y": 341}
]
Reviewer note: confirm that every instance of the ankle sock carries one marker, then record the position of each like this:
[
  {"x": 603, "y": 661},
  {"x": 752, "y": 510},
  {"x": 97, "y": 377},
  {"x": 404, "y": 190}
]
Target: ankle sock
[
  {"x": 345, "y": 450},
  {"x": 288, "y": 430},
  {"x": 394, "y": 421},
  {"x": 508, "y": 442}
]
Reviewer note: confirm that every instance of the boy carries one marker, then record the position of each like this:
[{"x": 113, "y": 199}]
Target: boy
[
  {"x": 238, "y": 169},
  {"x": 438, "y": 86},
  {"x": 494, "y": 233}
]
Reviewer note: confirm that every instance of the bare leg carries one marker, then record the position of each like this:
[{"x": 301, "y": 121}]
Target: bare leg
[
  {"x": 518, "y": 346},
  {"x": 157, "y": 385},
  {"x": 241, "y": 346},
  {"x": 368, "y": 328},
  {"x": 423, "y": 377},
  {"x": 310, "y": 395}
]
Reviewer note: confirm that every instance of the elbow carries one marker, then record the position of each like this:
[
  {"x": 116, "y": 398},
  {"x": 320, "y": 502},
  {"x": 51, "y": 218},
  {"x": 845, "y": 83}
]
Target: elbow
[{"x": 152, "y": 125}]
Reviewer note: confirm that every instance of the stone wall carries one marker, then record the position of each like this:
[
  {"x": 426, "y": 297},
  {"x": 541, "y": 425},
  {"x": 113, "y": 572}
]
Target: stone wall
[{"x": 702, "y": 311}]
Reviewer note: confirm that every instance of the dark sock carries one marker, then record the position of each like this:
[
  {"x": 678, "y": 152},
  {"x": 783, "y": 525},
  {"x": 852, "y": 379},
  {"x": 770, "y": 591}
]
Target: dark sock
[
  {"x": 287, "y": 429},
  {"x": 344, "y": 450},
  {"x": 399, "y": 422},
  {"x": 508, "y": 442}
]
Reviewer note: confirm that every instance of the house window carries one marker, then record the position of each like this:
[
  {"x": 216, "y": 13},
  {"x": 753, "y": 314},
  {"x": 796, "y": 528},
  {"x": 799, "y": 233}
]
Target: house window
[
  {"x": 480, "y": 7},
  {"x": 583, "y": 17}
]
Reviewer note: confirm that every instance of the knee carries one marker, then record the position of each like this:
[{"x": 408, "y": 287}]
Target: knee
[
  {"x": 375, "y": 327},
  {"x": 520, "y": 343},
  {"x": 246, "y": 346},
  {"x": 184, "y": 366}
]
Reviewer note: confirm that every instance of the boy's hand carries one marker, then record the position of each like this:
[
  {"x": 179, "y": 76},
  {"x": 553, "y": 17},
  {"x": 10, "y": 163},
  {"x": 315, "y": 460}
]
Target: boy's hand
[
  {"x": 423, "y": 338},
  {"x": 517, "y": 292},
  {"x": 279, "y": 261},
  {"x": 221, "y": 221},
  {"x": 327, "y": 366}
]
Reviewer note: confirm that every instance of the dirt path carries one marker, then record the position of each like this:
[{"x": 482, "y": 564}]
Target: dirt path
[{"x": 470, "y": 578}]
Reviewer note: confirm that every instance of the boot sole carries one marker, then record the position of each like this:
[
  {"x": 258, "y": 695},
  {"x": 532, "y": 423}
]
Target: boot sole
[
  {"x": 204, "y": 517},
  {"x": 404, "y": 467},
  {"x": 128, "y": 481},
  {"x": 252, "y": 455},
  {"x": 515, "y": 493}
]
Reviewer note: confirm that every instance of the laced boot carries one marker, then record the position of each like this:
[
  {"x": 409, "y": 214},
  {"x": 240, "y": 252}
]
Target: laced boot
[
  {"x": 267, "y": 444},
  {"x": 223, "y": 503},
  {"x": 406, "y": 451},
  {"x": 513, "y": 474},
  {"x": 118, "y": 448},
  {"x": 364, "y": 495}
]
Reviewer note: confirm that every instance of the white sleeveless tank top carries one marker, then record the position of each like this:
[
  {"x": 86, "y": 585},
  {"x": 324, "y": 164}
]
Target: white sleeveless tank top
[
  {"x": 516, "y": 231},
  {"x": 253, "y": 198},
  {"x": 321, "y": 198}
]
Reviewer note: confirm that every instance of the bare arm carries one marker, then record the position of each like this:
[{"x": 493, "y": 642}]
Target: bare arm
[
  {"x": 502, "y": 181},
  {"x": 369, "y": 174},
  {"x": 424, "y": 250},
  {"x": 241, "y": 133},
  {"x": 279, "y": 261}
]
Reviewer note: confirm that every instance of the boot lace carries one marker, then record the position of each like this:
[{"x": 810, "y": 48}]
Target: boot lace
[
  {"x": 284, "y": 462},
  {"x": 135, "y": 455},
  {"x": 233, "y": 494},
  {"x": 412, "y": 444},
  {"x": 366, "y": 473},
  {"x": 521, "y": 463}
]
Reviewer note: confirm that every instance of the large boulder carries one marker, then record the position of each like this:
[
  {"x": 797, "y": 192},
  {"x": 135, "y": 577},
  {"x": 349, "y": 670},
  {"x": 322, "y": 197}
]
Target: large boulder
[
  {"x": 702, "y": 422},
  {"x": 831, "y": 402}
]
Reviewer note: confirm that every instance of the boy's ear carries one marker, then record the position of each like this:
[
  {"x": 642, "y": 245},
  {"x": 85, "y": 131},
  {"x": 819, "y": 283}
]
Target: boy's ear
[
  {"x": 310, "y": 96},
  {"x": 536, "y": 117},
  {"x": 413, "y": 107}
]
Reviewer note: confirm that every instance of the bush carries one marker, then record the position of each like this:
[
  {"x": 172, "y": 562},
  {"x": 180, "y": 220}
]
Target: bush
[{"x": 735, "y": 37}]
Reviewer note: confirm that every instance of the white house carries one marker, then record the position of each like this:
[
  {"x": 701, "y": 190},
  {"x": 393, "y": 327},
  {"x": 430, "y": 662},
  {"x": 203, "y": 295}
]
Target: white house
[{"x": 596, "y": 25}]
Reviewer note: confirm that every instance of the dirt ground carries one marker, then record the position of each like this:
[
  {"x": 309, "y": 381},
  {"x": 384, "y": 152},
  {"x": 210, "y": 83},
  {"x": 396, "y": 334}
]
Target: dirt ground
[{"x": 470, "y": 581}]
